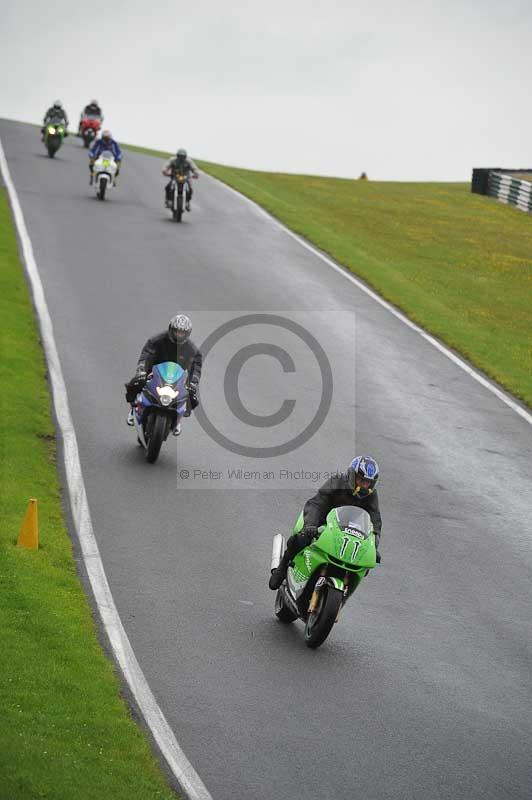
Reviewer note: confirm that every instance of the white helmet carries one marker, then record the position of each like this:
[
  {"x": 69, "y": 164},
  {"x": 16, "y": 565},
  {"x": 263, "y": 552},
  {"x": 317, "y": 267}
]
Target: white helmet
[{"x": 180, "y": 328}]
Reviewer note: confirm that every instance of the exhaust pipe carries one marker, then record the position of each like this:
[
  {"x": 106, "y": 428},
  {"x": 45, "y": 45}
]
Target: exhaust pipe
[{"x": 277, "y": 550}]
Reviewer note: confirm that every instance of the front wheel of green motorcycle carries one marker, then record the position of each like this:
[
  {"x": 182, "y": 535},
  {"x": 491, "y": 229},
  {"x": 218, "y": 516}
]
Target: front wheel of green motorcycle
[
  {"x": 319, "y": 623},
  {"x": 282, "y": 612}
]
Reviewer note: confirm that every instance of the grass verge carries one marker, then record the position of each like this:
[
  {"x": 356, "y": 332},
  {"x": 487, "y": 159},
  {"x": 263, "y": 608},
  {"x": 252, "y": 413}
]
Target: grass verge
[
  {"x": 65, "y": 732},
  {"x": 458, "y": 264}
]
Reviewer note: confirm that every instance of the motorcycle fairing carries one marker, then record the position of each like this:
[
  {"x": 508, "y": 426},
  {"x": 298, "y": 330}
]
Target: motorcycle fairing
[{"x": 167, "y": 373}]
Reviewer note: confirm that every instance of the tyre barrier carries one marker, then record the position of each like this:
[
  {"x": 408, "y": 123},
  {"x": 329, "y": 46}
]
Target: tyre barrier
[{"x": 511, "y": 186}]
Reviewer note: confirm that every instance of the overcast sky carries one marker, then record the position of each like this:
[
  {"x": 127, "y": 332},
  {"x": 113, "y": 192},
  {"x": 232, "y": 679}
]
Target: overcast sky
[{"x": 411, "y": 90}]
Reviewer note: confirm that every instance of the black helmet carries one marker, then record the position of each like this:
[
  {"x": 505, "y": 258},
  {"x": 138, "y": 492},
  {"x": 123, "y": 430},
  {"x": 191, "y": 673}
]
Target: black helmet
[
  {"x": 181, "y": 154},
  {"x": 362, "y": 475},
  {"x": 180, "y": 328}
]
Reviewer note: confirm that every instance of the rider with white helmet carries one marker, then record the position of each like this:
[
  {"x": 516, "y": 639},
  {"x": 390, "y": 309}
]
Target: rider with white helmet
[
  {"x": 55, "y": 113},
  {"x": 105, "y": 142}
]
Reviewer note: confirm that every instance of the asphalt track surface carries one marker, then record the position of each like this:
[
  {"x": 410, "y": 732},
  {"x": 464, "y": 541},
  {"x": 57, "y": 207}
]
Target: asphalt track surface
[{"x": 424, "y": 688}]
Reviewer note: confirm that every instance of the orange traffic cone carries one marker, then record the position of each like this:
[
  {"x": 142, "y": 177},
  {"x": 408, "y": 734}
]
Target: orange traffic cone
[{"x": 29, "y": 532}]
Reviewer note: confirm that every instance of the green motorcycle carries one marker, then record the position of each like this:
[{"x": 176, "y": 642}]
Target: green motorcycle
[
  {"x": 325, "y": 574},
  {"x": 54, "y": 133}
]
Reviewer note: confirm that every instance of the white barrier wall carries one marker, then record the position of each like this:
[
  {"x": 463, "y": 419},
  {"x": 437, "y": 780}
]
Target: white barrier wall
[{"x": 511, "y": 190}]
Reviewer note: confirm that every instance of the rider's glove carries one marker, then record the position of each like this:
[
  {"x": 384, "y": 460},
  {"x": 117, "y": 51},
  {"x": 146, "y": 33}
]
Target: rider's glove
[
  {"x": 140, "y": 374},
  {"x": 308, "y": 534},
  {"x": 193, "y": 394}
]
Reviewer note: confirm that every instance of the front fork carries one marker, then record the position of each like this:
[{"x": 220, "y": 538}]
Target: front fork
[{"x": 314, "y": 599}]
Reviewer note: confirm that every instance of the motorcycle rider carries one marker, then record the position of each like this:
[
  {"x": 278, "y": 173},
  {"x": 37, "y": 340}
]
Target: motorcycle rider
[
  {"x": 56, "y": 112},
  {"x": 181, "y": 164},
  {"x": 175, "y": 345},
  {"x": 106, "y": 142},
  {"x": 91, "y": 109},
  {"x": 356, "y": 487}
]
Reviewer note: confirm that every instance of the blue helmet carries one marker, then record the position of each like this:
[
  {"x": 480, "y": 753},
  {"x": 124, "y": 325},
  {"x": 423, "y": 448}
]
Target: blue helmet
[{"x": 362, "y": 475}]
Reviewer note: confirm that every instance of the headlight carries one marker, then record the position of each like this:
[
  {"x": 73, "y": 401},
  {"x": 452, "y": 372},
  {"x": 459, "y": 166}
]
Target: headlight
[
  {"x": 51, "y": 130},
  {"x": 166, "y": 394}
]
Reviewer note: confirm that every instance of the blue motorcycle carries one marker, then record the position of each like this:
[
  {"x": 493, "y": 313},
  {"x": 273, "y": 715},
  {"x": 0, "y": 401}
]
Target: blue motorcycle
[{"x": 160, "y": 406}]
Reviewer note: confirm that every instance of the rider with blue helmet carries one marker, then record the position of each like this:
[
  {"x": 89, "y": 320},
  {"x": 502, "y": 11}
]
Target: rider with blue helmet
[{"x": 356, "y": 487}]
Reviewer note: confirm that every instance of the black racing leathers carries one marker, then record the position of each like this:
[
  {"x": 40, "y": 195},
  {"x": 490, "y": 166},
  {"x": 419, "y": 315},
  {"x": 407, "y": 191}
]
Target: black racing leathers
[
  {"x": 92, "y": 108},
  {"x": 56, "y": 113},
  {"x": 334, "y": 493},
  {"x": 161, "y": 348}
]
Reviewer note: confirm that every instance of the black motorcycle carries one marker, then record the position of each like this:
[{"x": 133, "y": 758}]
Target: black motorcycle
[{"x": 177, "y": 196}]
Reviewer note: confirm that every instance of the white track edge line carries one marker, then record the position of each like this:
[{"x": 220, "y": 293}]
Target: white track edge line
[
  {"x": 527, "y": 416},
  {"x": 189, "y": 781}
]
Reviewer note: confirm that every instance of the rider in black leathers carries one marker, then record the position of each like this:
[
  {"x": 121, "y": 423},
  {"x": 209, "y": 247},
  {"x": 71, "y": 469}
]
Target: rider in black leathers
[
  {"x": 92, "y": 108},
  {"x": 356, "y": 487},
  {"x": 171, "y": 345},
  {"x": 55, "y": 113}
]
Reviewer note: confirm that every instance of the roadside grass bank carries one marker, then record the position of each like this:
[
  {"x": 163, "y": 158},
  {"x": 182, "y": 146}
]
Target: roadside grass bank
[
  {"x": 459, "y": 265},
  {"x": 66, "y": 732}
]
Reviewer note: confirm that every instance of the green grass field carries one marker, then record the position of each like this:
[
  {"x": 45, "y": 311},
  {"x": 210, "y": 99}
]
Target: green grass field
[
  {"x": 457, "y": 264},
  {"x": 65, "y": 731}
]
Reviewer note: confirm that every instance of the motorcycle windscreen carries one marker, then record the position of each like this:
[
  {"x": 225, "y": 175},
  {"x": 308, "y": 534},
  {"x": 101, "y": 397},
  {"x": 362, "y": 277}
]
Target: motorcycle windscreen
[
  {"x": 169, "y": 372},
  {"x": 351, "y": 518}
]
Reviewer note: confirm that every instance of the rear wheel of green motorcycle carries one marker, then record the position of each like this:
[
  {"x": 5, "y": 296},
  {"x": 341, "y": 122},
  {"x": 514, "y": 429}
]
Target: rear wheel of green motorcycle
[
  {"x": 320, "y": 623},
  {"x": 158, "y": 432},
  {"x": 282, "y": 612}
]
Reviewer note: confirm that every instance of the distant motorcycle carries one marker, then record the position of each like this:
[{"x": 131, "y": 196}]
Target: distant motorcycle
[
  {"x": 324, "y": 575},
  {"x": 160, "y": 406},
  {"x": 89, "y": 126},
  {"x": 54, "y": 132},
  {"x": 177, "y": 196},
  {"x": 104, "y": 173}
]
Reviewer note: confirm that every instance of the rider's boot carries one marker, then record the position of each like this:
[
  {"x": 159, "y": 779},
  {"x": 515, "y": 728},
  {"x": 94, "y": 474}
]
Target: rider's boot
[
  {"x": 177, "y": 430},
  {"x": 130, "y": 417},
  {"x": 279, "y": 574},
  {"x": 187, "y": 205}
]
